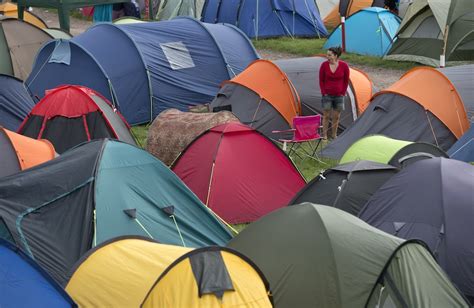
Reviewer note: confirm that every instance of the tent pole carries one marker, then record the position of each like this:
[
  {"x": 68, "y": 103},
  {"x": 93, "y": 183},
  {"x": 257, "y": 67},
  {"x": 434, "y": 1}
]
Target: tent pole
[
  {"x": 343, "y": 32},
  {"x": 442, "y": 57}
]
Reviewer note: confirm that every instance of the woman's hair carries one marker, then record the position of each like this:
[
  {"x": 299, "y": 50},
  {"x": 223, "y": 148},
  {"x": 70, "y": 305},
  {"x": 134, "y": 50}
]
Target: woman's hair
[{"x": 336, "y": 50}]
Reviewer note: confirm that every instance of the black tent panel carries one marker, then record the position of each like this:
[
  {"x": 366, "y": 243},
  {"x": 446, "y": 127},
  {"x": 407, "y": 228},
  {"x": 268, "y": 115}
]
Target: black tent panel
[
  {"x": 397, "y": 117},
  {"x": 250, "y": 109},
  {"x": 415, "y": 152},
  {"x": 32, "y": 127},
  {"x": 9, "y": 163},
  {"x": 58, "y": 127},
  {"x": 97, "y": 127}
]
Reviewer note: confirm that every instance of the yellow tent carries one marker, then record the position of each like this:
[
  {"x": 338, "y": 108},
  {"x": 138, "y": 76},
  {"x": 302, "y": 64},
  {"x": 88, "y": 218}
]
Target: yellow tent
[
  {"x": 11, "y": 10},
  {"x": 129, "y": 272}
]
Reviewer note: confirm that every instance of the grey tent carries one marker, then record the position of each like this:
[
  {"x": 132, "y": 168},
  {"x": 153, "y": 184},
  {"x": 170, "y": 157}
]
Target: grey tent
[
  {"x": 432, "y": 200},
  {"x": 319, "y": 256},
  {"x": 304, "y": 74},
  {"x": 347, "y": 186},
  {"x": 169, "y": 9},
  {"x": 434, "y": 28},
  {"x": 423, "y": 106},
  {"x": 462, "y": 77}
]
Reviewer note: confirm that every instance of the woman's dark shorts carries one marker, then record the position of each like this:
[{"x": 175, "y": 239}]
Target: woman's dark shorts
[{"x": 333, "y": 102}]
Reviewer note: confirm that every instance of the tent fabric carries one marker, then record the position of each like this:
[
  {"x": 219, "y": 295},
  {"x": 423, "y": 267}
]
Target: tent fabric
[
  {"x": 172, "y": 8},
  {"x": 433, "y": 28},
  {"x": 370, "y": 31},
  {"x": 462, "y": 78},
  {"x": 262, "y": 97},
  {"x": 19, "y": 43},
  {"x": 319, "y": 256},
  {"x": 348, "y": 8},
  {"x": 19, "y": 152},
  {"x": 238, "y": 173},
  {"x": 304, "y": 74},
  {"x": 267, "y": 18},
  {"x": 423, "y": 106},
  {"x": 407, "y": 206},
  {"x": 135, "y": 272},
  {"x": 326, "y": 6},
  {"x": 391, "y": 151},
  {"x": 97, "y": 191},
  {"x": 172, "y": 131},
  {"x": 463, "y": 149},
  {"x": 347, "y": 186},
  {"x": 15, "y": 102},
  {"x": 25, "y": 284},
  {"x": 69, "y": 115},
  {"x": 155, "y": 66},
  {"x": 11, "y": 10}
]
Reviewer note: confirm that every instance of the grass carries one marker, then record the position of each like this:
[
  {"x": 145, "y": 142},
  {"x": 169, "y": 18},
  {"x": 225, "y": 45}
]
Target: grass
[{"x": 310, "y": 47}]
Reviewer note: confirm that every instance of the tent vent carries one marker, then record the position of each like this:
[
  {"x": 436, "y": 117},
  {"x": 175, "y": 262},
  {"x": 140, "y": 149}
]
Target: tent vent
[
  {"x": 132, "y": 213},
  {"x": 177, "y": 55}
]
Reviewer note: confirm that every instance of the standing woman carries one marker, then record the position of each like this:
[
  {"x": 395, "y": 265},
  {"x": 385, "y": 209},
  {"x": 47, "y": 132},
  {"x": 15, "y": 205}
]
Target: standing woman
[{"x": 333, "y": 81}]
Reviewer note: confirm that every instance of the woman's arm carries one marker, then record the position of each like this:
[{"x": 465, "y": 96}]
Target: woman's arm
[
  {"x": 322, "y": 77},
  {"x": 345, "y": 82}
]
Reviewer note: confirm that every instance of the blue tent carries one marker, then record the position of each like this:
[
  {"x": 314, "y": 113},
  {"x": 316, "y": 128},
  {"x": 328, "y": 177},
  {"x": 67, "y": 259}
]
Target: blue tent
[
  {"x": 145, "y": 68},
  {"x": 15, "y": 102},
  {"x": 24, "y": 284},
  {"x": 371, "y": 31},
  {"x": 463, "y": 149},
  {"x": 267, "y": 18}
]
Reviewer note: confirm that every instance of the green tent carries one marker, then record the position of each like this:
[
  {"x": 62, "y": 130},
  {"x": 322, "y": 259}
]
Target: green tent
[
  {"x": 169, "y": 9},
  {"x": 434, "y": 28},
  {"x": 320, "y": 256},
  {"x": 385, "y": 150},
  {"x": 63, "y": 6}
]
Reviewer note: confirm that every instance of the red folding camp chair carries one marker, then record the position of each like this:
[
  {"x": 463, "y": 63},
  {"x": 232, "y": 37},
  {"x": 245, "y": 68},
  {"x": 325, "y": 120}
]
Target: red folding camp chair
[{"x": 305, "y": 130}]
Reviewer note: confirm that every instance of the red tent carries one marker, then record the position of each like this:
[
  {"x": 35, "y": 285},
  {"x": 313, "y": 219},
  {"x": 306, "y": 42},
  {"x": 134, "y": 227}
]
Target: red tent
[
  {"x": 69, "y": 115},
  {"x": 238, "y": 172}
]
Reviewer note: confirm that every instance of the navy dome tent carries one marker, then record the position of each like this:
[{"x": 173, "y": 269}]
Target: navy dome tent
[
  {"x": 24, "y": 284},
  {"x": 267, "y": 18},
  {"x": 145, "y": 68},
  {"x": 370, "y": 31},
  {"x": 15, "y": 102},
  {"x": 463, "y": 149},
  {"x": 431, "y": 200}
]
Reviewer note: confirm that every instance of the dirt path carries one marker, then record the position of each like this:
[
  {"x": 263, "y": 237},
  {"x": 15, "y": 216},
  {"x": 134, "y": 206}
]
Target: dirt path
[{"x": 382, "y": 78}]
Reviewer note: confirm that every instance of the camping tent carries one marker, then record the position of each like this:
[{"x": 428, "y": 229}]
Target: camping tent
[
  {"x": 70, "y": 115},
  {"x": 385, "y": 150},
  {"x": 462, "y": 77},
  {"x": 97, "y": 191},
  {"x": 169, "y": 9},
  {"x": 304, "y": 74},
  {"x": 319, "y": 256},
  {"x": 434, "y": 28},
  {"x": 370, "y": 31},
  {"x": 154, "y": 65},
  {"x": 19, "y": 152},
  {"x": 326, "y": 6},
  {"x": 432, "y": 201},
  {"x": 346, "y": 8},
  {"x": 172, "y": 131},
  {"x": 346, "y": 186},
  {"x": 19, "y": 43},
  {"x": 261, "y": 96},
  {"x": 15, "y": 102},
  {"x": 135, "y": 272},
  {"x": 11, "y": 10},
  {"x": 267, "y": 18},
  {"x": 423, "y": 106},
  {"x": 463, "y": 149},
  {"x": 25, "y": 284},
  {"x": 239, "y": 173}
]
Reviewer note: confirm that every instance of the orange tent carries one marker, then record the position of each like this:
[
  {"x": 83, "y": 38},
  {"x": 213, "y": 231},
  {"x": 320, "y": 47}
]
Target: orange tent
[
  {"x": 11, "y": 10},
  {"x": 432, "y": 89},
  {"x": 266, "y": 79},
  {"x": 362, "y": 88},
  {"x": 20, "y": 152},
  {"x": 333, "y": 19}
]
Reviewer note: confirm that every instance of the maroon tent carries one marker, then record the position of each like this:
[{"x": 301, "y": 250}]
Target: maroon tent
[
  {"x": 238, "y": 172},
  {"x": 69, "y": 115}
]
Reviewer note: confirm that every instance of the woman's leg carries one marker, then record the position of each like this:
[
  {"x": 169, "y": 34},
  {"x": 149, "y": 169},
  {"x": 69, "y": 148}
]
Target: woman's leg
[
  {"x": 326, "y": 114},
  {"x": 336, "y": 115}
]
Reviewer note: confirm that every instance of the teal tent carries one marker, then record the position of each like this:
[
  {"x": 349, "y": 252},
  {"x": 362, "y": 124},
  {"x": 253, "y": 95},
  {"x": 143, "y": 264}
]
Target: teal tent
[{"x": 95, "y": 192}]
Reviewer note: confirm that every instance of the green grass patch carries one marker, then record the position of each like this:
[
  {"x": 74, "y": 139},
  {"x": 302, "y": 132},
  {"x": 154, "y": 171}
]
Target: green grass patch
[
  {"x": 310, "y": 47},
  {"x": 140, "y": 134}
]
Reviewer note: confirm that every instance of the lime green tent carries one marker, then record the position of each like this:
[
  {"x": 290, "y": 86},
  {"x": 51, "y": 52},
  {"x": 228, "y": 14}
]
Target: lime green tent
[
  {"x": 126, "y": 20},
  {"x": 390, "y": 151},
  {"x": 434, "y": 28}
]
